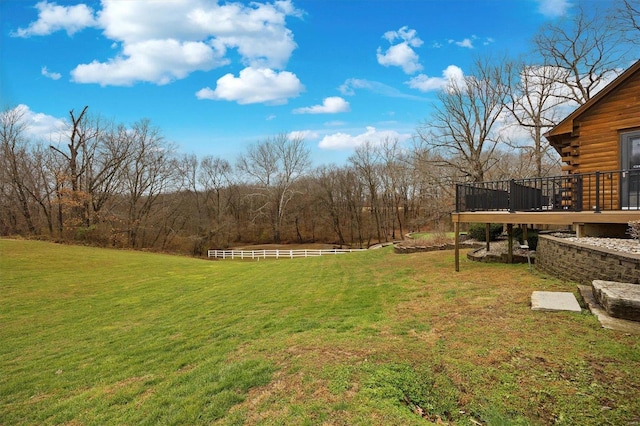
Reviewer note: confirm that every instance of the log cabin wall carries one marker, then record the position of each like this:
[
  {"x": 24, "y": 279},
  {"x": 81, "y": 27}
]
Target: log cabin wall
[
  {"x": 589, "y": 140},
  {"x": 598, "y": 130}
]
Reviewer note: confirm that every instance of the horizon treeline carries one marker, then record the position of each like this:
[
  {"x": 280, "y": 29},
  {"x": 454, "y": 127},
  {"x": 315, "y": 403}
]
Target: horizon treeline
[{"x": 126, "y": 186}]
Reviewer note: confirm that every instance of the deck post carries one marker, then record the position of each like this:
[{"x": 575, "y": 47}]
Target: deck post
[
  {"x": 512, "y": 194},
  {"x": 510, "y": 251},
  {"x": 487, "y": 234},
  {"x": 597, "y": 192},
  {"x": 456, "y": 230}
]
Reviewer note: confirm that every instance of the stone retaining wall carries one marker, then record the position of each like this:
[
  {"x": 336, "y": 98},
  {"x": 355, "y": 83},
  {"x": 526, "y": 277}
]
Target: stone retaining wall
[
  {"x": 402, "y": 249},
  {"x": 480, "y": 255},
  {"x": 580, "y": 263}
]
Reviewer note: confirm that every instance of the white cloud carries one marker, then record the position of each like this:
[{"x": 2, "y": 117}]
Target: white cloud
[
  {"x": 330, "y": 105},
  {"x": 258, "y": 31},
  {"x": 425, "y": 83},
  {"x": 470, "y": 42},
  {"x": 466, "y": 43},
  {"x": 304, "y": 134},
  {"x": 255, "y": 85},
  {"x": 161, "y": 41},
  {"x": 401, "y": 54},
  {"x": 52, "y": 18},
  {"x": 344, "y": 141},
  {"x": 553, "y": 8},
  {"x": 405, "y": 34},
  {"x": 52, "y": 75},
  {"x": 41, "y": 127},
  {"x": 349, "y": 87},
  {"x": 154, "y": 61},
  {"x": 335, "y": 123}
]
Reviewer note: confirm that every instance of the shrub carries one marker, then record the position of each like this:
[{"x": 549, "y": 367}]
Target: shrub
[
  {"x": 477, "y": 231},
  {"x": 532, "y": 237}
]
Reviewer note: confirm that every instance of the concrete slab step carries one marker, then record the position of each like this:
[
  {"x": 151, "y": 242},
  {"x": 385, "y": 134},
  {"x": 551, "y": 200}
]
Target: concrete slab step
[{"x": 554, "y": 301}]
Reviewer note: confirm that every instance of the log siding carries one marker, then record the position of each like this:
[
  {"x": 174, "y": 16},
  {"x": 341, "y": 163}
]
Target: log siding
[{"x": 589, "y": 139}]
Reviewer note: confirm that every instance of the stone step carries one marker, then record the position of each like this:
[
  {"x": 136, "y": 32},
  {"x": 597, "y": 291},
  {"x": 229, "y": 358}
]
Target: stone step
[
  {"x": 554, "y": 301},
  {"x": 619, "y": 300}
]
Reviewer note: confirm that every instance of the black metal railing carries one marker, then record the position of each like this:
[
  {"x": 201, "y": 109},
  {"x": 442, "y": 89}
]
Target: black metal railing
[{"x": 597, "y": 191}]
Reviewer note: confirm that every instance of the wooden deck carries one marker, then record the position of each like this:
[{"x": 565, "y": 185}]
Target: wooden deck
[{"x": 546, "y": 218}]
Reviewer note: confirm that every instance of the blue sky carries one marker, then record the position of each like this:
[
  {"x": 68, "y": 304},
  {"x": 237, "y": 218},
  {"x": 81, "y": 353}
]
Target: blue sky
[{"x": 216, "y": 77}]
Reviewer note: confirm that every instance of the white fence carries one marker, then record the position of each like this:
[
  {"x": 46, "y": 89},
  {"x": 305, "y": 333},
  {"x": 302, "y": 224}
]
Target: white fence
[{"x": 277, "y": 254}]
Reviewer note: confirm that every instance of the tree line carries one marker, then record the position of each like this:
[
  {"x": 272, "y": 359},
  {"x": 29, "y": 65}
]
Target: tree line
[{"x": 127, "y": 186}]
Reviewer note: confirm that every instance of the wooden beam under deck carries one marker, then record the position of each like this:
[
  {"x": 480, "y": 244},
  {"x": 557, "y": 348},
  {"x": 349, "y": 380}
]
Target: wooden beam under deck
[{"x": 546, "y": 218}]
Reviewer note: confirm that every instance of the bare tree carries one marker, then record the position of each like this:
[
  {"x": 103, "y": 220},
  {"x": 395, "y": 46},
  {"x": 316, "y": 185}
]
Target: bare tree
[
  {"x": 628, "y": 15},
  {"x": 463, "y": 129},
  {"x": 435, "y": 184},
  {"x": 14, "y": 161},
  {"x": 105, "y": 164},
  {"x": 366, "y": 163},
  {"x": 399, "y": 174},
  {"x": 146, "y": 175},
  {"x": 354, "y": 193},
  {"x": 214, "y": 177},
  {"x": 331, "y": 199},
  {"x": 42, "y": 183},
  {"x": 273, "y": 166},
  {"x": 73, "y": 195},
  {"x": 88, "y": 173},
  {"x": 534, "y": 101},
  {"x": 586, "y": 48}
]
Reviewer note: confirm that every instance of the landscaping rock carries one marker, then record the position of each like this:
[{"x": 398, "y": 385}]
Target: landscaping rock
[
  {"x": 620, "y": 300},
  {"x": 498, "y": 253},
  {"x": 606, "y": 320},
  {"x": 408, "y": 247}
]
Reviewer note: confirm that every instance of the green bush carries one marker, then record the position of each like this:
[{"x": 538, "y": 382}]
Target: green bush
[
  {"x": 532, "y": 237},
  {"x": 477, "y": 231}
]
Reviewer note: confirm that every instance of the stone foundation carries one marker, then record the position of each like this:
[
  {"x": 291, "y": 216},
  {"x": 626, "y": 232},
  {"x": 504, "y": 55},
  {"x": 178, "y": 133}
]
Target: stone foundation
[{"x": 580, "y": 263}]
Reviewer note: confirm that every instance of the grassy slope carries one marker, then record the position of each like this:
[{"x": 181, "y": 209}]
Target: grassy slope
[{"x": 92, "y": 336}]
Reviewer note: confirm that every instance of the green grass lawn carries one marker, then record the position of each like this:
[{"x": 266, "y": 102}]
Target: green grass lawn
[{"x": 95, "y": 337}]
